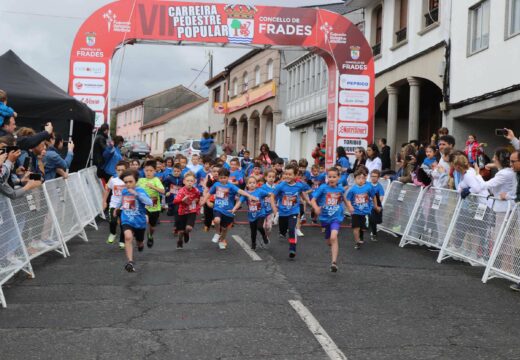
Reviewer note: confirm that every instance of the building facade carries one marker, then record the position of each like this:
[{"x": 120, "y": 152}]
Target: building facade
[
  {"x": 252, "y": 110},
  {"x": 129, "y": 120},
  {"x": 218, "y": 87},
  {"x": 484, "y": 76}
]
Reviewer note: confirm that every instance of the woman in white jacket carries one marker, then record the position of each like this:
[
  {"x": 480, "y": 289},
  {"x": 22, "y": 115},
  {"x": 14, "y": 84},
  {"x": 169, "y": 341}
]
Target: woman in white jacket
[{"x": 373, "y": 160}]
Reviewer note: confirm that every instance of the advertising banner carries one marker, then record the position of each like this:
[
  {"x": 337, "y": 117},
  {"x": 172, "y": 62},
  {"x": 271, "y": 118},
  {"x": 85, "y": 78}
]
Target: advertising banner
[{"x": 350, "y": 111}]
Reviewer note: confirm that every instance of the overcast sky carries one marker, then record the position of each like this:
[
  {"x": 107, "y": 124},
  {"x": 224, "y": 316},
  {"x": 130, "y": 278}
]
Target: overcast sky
[{"x": 42, "y": 32}]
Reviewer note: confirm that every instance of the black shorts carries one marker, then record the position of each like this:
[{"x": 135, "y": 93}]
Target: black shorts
[
  {"x": 153, "y": 217},
  {"x": 302, "y": 210},
  {"x": 225, "y": 221},
  {"x": 359, "y": 221},
  {"x": 185, "y": 220},
  {"x": 138, "y": 233}
]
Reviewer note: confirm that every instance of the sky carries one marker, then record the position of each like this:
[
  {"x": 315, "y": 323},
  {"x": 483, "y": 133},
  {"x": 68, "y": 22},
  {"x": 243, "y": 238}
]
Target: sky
[{"x": 42, "y": 33}]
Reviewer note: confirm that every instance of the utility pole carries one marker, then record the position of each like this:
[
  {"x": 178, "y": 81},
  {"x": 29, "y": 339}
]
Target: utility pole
[{"x": 210, "y": 55}]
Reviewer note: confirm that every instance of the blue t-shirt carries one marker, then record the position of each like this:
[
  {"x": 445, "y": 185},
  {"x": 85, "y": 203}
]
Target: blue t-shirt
[
  {"x": 343, "y": 180},
  {"x": 172, "y": 185},
  {"x": 226, "y": 166},
  {"x": 378, "y": 190},
  {"x": 288, "y": 197},
  {"x": 185, "y": 171},
  {"x": 361, "y": 198},
  {"x": 306, "y": 176},
  {"x": 200, "y": 176},
  {"x": 224, "y": 197},
  {"x": 255, "y": 208},
  {"x": 316, "y": 182},
  {"x": 330, "y": 200},
  {"x": 267, "y": 204},
  {"x": 344, "y": 163},
  {"x": 237, "y": 176},
  {"x": 133, "y": 208}
]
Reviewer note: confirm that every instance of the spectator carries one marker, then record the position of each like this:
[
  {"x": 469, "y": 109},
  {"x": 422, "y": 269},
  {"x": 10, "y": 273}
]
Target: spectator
[
  {"x": 361, "y": 159},
  {"x": 342, "y": 162},
  {"x": 53, "y": 160},
  {"x": 435, "y": 137},
  {"x": 409, "y": 165},
  {"x": 514, "y": 161},
  {"x": 440, "y": 173},
  {"x": 267, "y": 157},
  {"x": 503, "y": 185},
  {"x": 212, "y": 151},
  {"x": 111, "y": 156},
  {"x": 5, "y": 111},
  {"x": 242, "y": 150},
  {"x": 469, "y": 181},
  {"x": 373, "y": 161},
  {"x": 25, "y": 142},
  {"x": 385, "y": 154},
  {"x": 227, "y": 147},
  {"x": 472, "y": 149},
  {"x": 206, "y": 143},
  {"x": 100, "y": 144}
]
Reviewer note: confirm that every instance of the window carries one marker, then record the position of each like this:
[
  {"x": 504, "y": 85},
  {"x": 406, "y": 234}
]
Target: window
[
  {"x": 235, "y": 87},
  {"x": 157, "y": 140},
  {"x": 312, "y": 85},
  {"x": 216, "y": 95},
  {"x": 144, "y": 138},
  {"x": 289, "y": 85},
  {"x": 513, "y": 18},
  {"x": 270, "y": 69},
  {"x": 377, "y": 18},
  {"x": 245, "y": 82},
  {"x": 304, "y": 78},
  {"x": 318, "y": 74},
  {"x": 257, "y": 75},
  {"x": 431, "y": 12},
  {"x": 479, "y": 27},
  {"x": 401, "y": 21}
]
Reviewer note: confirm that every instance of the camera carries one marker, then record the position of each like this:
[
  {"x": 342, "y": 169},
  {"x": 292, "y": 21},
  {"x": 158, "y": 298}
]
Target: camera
[
  {"x": 500, "y": 132},
  {"x": 37, "y": 177}
]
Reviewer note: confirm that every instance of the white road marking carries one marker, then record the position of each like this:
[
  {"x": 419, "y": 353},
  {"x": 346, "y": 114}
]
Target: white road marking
[
  {"x": 247, "y": 248},
  {"x": 319, "y": 333}
]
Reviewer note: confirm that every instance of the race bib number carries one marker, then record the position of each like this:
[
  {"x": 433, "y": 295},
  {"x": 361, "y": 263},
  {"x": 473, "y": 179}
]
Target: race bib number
[
  {"x": 31, "y": 203},
  {"x": 332, "y": 199},
  {"x": 361, "y": 199},
  {"x": 60, "y": 195},
  {"x": 128, "y": 203},
  {"x": 254, "y": 206},
  {"x": 436, "y": 204},
  {"x": 481, "y": 212},
  {"x": 118, "y": 190},
  {"x": 174, "y": 189},
  {"x": 193, "y": 205},
  {"x": 221, "y": 193},
  {"x": 289, "y": 200},
  {"x": 401, "y": 196}
]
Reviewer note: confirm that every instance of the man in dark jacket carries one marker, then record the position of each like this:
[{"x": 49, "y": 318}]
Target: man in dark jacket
[
  {"x": 28, "y": 142},
  {"x": 385, "y": 154},
  {"x": 100, "y": 144}
]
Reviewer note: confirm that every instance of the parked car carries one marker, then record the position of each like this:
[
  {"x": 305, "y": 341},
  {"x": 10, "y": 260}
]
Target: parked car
[
  {"x": 190, "y": 147},
  {"x": 135, "y": 149},
  {"x": 173, "y": 150}
]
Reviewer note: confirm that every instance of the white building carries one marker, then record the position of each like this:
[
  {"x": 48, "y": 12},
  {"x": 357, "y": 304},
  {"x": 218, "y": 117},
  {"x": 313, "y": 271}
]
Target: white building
[
  {"x": 484, "y": 69},
  {"x": 187, "y": 122},
  {"x": 129, "y": 120},
  {"x": 218, "y": 86}
]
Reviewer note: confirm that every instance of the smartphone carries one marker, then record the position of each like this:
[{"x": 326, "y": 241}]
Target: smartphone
[
  {"x": 8, "y": 149},
  {"x": 27, "y": 163},
  {"x": 500, "y": 132},
  {"x": 37, "y": 177}
]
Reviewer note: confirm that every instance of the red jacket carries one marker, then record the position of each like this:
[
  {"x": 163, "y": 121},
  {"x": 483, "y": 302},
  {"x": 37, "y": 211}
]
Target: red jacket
[
  {"x": 475, "y": 152},
  {"x": 192, "y": 204}
]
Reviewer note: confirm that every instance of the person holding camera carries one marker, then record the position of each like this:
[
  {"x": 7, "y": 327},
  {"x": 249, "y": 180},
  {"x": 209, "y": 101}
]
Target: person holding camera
[{"x": 53, "y": 162}]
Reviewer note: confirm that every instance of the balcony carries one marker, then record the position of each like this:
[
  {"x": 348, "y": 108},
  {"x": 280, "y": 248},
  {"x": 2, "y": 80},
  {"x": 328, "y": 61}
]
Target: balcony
[
  {"x": 400, "y": 35},
  {"x": 376, "y": 49},
  {"x": 431, "y": 17}
]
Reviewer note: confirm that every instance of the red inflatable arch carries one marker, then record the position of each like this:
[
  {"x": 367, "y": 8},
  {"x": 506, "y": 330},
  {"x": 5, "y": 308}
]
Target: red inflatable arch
[{"x": 350, "y": 115}]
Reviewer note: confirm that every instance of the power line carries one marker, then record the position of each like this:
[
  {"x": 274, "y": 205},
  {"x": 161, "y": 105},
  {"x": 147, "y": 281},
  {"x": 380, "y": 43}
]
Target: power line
[
  {"x": 42, "y": 15},
  {"x": 198, "y": 75}
]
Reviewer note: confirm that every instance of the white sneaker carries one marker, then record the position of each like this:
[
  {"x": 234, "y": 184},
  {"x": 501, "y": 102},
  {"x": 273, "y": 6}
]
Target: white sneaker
[
  {"x": 215, "y": 238},
  {"x": 299, "y": 232},
  {"x": 111, "y": 239},
  {"x": 275, "y": 219}
]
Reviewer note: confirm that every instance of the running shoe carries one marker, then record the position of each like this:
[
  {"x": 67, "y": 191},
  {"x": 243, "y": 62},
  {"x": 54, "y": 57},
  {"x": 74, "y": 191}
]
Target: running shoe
[
  {"x": 215, "y": 238},
  {"x": 149, "y": 243},
  {"x": 253, "y": 246},
  {"x": 303, "y": 219},
  {"x": 292, "y": 251},
  {"x": 299, "y": 232},
  {"x": 358, "y": 246},
  {"x": 140, "y": 246},
  {"x": 130, "y": 267},
  {"x": 267, "y": 241},
  {"x": 373, "y": 237},
  {"x": 121, "y": 246},
  {"x": 515, "y": 287},
  {"x": 261, "y": 244},
  {"x": 282, "y": 237},
  {"x": 333, "y": 267},
  {"x": 186, "y": 238},
  {"x": 222, "y": 245},
  {"x": 179, "y": 244},
  {"x": 111, "y": 239}
]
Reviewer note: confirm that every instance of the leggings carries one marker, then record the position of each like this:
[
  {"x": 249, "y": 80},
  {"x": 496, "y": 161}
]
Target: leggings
[
  {"x": 257, "y": 225},
  {"x": 112, "y": 220},
  {"x": 208, "y": 216},
  {"x": 288, "y": 223}
]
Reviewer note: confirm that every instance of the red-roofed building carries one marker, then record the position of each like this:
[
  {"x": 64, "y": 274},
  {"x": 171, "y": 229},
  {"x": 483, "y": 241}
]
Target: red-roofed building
[{"x": 187, "y": 122}]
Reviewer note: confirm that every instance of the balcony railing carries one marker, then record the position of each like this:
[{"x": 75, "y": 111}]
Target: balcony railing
[
  {"x": 432, "y": 16},
  {"x": 401, "y": 35},
  {"x": 376, "y": 49}
]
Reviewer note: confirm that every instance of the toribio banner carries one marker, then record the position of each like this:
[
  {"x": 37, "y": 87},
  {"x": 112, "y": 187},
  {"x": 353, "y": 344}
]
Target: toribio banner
[{"x": 350, "y": 112}]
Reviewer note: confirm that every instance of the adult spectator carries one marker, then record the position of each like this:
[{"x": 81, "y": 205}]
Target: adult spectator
[
  {"x": 211, "y": 153},
  {"x": 446, "y": 142},
  {"x": 318, "y": 153},
  {"x": 386, "y": 162},
  {"x": 441, "y": 132},
  {"x": 373, "y": 161},
  {"x": 100, "y": 144},
  {"x": 25, "y": 142},
  {"x": 111, "y": 156},
  {"x": 227, "y": 147},
  {"x": 361, "y": 159},
  {"x": 514, "y": 161},
  {"x": 53, "y": 161},
  {"x": 267, "y": 156},
  {"x": 510, "y": 135},
  {"x": 342, "y": 162},
  {"x": 409, "y": 164}
]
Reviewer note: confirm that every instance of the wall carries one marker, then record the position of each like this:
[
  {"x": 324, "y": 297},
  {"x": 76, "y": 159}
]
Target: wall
[
  {"x": 305, "y": 139},
  {"x": 215, "y": 120},
  {"x": 155, "y": 138},
  {"x": 497, "y": 66},
  {"x": 189, "y": 125},
  {"x": 129, "y": 122}
]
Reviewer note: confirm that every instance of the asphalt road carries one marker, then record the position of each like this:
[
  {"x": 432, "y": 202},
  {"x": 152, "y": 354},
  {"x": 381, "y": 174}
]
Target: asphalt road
[{"x": 203, "y": 303}]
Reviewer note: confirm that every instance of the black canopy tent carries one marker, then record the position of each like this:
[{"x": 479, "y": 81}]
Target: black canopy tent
[{"x": 37, "y": 101}]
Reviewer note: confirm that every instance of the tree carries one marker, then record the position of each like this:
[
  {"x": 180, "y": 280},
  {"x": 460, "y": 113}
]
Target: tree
[{"x": 235, "y": 25}]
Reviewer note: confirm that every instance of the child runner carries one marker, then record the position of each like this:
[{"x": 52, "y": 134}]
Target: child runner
[
  {"x": 154, "y": 188},
  {"x": 116, "y": 185},
  {"x": 288, "y": 194},
  {"x": 269, "y": 186},
  {"x": 183, "y": 162},
  {"x": 159, "y": 168},
  {"x": 201, "y": 175},
  {"x": 135, "y": 165},
  {"x": 133, "y": 215},
  {"x": 328, "y": 203},
  {"x": 256, "y": 171},
  {"x": 278, "y": 167},
  {"x": 188, "y": 200},
  {"x": 211, "y": 179},
  {"x": 236, "y": 176},
  {"x": 360, "y": 198},
  {"x": 316, "y": 179},
  {"x": 225, "y": 193},
  {"x": 246, "y": 161},
  {"x": 376, "y": 216},
  {"x": 223, "y": 158},
  {"x": 195, "y": 165},
  {"x": 172, "y": 184},
  {"x": 256, "y": 211}
]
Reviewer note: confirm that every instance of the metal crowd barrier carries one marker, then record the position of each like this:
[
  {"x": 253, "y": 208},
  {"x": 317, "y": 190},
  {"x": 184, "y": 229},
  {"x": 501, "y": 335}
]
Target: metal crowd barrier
[
  {"x": 86, "y": 214},
  {"x": 399, "y": 204}
]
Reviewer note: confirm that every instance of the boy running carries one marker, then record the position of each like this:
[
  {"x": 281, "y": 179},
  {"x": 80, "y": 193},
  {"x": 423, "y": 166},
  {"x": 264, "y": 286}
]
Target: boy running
[
  {"x": 188, "y": 200},
  {"x": 133, "y": 215},
  {"x": 269, "y": 186},
  {"x": 256, "y": 211},
  {"x": 154, "y": 188},
  {"x": 172, "y": 183},
  {"x": 360, "y": 199},
  {"x": 116, "y": 185},
  {"x": 328, "y": 203},
  {"x": 288, "y": 194},
  {"x": 225, "y": 193},
  {"x": 376, "y": 216},
  {"x": 236, "y": 176},
  {"x": 211, "y": 179}
]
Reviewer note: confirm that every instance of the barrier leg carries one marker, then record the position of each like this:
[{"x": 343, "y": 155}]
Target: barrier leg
[
  {"x": 441, "y": 256},
  {"x": 2, "y": 298}
]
